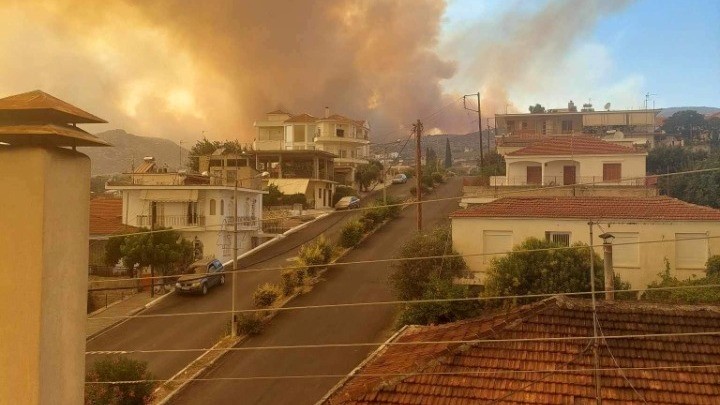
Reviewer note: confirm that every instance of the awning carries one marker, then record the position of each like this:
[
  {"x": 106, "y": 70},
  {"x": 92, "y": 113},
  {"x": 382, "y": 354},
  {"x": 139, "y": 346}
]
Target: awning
[
  {"x": 291, "y": 186},
  {"x": 170, "y": 195}
]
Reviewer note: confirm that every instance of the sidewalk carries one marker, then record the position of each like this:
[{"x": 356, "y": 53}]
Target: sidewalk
[{"x": 105, "y": 318}]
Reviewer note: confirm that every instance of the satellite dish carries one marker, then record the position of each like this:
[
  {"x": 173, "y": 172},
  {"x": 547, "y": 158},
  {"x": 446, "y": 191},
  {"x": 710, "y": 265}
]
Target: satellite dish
[{"x": 607, "y": 106}]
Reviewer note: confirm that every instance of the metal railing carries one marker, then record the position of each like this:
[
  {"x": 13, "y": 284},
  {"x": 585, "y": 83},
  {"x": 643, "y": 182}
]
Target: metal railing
[
  {"x": 244, "y": 223},
  {"x": 498, "y": 181},
  {"x": 171, "y": 220}
]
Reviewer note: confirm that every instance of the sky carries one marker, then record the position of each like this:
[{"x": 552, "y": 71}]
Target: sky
[{"x": 182, "y": 70}]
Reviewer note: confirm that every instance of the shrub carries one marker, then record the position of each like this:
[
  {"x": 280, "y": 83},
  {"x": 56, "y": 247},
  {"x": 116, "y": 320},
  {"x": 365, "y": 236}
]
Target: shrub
[
  {"x": 298, "y": 198},
  {"x": 409, "y": 173},
  {"x": 266, "y": 295},
  {"x": 300, "y": 275},
  {"x": 119, "y": 368},
  {"x": 438, "y": 177},
  {"x": 288, "y": 281},
  {"x": 249, "y": 324},
  {"x": 701, "y": 295},
  {"x": 315, "y": 254},
  {"x": 712, "y": 267},
  {"x": 433, "y": 313},
  {"x": 427, "y": 180},
  {"x": 342, "y": 191},
  {"x": 351, "y": 234}
]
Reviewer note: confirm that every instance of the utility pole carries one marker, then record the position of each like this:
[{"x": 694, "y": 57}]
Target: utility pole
[
  {"x": 153, "y": 215},
  {"x": 482, "y": 163},
  {"x": 596, "y": 354},
  {"x": 417, "y": 128},
  {"x": 233, "y": 319}
]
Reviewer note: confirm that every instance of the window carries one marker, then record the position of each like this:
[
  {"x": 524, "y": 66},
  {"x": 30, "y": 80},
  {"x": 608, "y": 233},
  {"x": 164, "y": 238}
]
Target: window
[
  {"x": 343, "y": 153},
  {"x": 222, "y": 207},
  {"x": 340, "y": 133},
  {"x": 560, "y": 238},
  {"x": 567, "y": 126},
  {"x": 496, "y": 242},
  {"x": 212, "y": 206},
  {"x": 691, "y": 252},
  {"x": 612, "y": 171},
  {"x": 353, "y": 153},
  {"x": 192, "y": 215},
  {"x": 299, "y": 133},
  {"x": 216, "y": 163},
  {"x": 510, "y": 125},
  {"x": 544, "y": 127},
  {"x": 524, "y": 125}
]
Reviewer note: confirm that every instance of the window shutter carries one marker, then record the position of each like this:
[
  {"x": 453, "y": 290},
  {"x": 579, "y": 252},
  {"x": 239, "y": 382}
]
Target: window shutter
[
  {"x": 496, "y": 242},
  {"x": 690, "y": 252}
]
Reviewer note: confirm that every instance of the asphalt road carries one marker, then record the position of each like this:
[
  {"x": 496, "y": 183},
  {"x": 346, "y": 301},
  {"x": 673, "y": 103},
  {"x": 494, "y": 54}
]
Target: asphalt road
[
  {"x": 184, "y": 332},
  {"x": 343, "y": 284}
]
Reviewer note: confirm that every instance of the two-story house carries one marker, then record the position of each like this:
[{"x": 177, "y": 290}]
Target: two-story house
[
  {"x": 623, "y": 127},
  {"x": 344, "y": 137},
  {"x": 200, "y": 207}
]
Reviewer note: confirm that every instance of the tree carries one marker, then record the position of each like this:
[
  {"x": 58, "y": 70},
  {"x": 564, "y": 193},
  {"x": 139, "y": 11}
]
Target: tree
[
  {"x": 118, "y": 368},
  {"x": 448, "y": 154},
  {"x": 433, "y": 313},
  {"x": 431, "y": 164},
  {"x": 536, "y": 109},
  {"x": 532, "y": 269},
  {"x": 494, "y": 164},
  {"x": 697, "y": 188},
  {"x": 207, "y": 147},
  {"x": 686, "y": 123},
  {"x": 367, "y": 174},
  {"x": 161, "y": 250},
  {"x": 668, "y": 159},
  {"x": 113, "y": 254},
  {"x": 411, "y": 277}
]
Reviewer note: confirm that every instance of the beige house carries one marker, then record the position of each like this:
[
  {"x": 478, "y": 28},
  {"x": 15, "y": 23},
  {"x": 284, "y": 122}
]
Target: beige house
[
  {"x": 346, "y": 138},
  {"x": 199, "y": 206},
  {"x": 489, "y": 230},
  {"x": 624, "y": 127},
  {"x": 568, "y": 160}
]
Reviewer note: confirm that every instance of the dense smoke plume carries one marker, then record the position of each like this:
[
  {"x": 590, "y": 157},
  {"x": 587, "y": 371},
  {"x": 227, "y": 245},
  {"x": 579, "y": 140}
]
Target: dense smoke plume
[{"x": 175, "y": 68}]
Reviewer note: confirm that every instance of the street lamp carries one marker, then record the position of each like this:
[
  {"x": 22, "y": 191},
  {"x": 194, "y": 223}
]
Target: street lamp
[
  {"x": 233, "y": 318},
  {"x": 608, "y": 266}
]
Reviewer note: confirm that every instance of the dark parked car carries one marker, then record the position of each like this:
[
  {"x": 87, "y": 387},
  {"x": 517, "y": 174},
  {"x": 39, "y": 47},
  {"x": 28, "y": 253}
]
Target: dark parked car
[
  {"x": 200, "y": 276},
  {"x": 348, "y": 202}
]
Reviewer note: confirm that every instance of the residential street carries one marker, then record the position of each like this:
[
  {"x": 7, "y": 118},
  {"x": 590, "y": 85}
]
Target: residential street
[
  {"x": 343, "y": 284},
  {"x": 183, "y": 332}
]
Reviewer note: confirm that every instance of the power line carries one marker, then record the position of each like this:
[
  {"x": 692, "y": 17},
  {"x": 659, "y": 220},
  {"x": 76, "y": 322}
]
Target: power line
[
  {"x": 400, "y": 302},
  {"x": 410, "y": 374},
  {"x": 413, "y": 343},
  {"x": 440, "y": 257},
  {"x": 499, "y": 195}
]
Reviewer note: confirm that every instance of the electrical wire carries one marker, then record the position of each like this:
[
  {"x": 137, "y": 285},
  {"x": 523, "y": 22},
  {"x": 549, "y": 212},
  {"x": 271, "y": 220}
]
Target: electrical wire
[
  {"x": 499, "y": 195},
  {"x": 413, "y": 343},
  {"x": 409, "y": 259},
  {"x": 409, "y": 374},
  {"x": 607, "y": 346},
  {"x": 400, "y": 302}
]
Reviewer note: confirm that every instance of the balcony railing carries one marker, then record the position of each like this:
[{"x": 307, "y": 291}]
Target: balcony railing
[
  {"x": 244, "y": 223},
  {"x": 171, "y": 221},
  {"x": 549, "y": 181}
]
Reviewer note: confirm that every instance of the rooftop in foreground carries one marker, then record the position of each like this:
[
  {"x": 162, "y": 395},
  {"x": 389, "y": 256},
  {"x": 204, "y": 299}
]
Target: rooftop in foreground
[{"x": 541, "y": 354}]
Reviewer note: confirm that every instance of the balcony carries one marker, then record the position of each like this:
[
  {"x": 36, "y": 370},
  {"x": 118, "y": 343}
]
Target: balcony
[
  {"x": 243, "y": 223},
  {"x": 551, "y": 181},
  {"x": 171, "y": 221}
]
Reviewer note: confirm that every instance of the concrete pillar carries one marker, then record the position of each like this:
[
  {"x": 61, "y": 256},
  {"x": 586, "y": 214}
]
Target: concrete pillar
[{"x": 44, "y": 215}]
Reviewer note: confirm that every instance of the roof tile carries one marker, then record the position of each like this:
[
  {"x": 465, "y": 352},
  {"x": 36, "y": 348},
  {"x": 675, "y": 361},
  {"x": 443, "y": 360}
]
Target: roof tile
[{"x": 572, "y": 145}]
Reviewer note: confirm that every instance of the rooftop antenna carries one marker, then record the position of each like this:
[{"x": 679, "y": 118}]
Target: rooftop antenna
[{"x": 647, "y": 97}]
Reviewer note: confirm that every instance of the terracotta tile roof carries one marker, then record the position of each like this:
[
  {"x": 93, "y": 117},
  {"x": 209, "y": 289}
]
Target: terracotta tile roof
[
  {"x": 106, "y": 217},
  {"x": 518, "y": 141},
  {"x": 575, "y": 145},
  {"x": 455, "y": 372},
  {"x": 645, "y": 208},
  {"x": 40, "y": 104},
  {"x": 301, "y": 118}
]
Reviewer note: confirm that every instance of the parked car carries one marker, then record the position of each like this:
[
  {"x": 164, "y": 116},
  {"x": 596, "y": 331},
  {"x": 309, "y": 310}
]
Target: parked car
[
  {"x": 201, "y": 276},
  {"x": 348, "y": 202},
  {"x": 399, "y": 179}
]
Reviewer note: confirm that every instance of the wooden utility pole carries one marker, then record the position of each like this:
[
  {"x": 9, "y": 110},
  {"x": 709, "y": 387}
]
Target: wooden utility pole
[
  {"x": 482, "y": 159},
  {"x": 417, "y": 128}
]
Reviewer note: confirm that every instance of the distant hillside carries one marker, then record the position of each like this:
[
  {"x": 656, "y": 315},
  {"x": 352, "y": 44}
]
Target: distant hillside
[
  {"x": 667, "y": 112},
  {"x": 125, "y": 147}
]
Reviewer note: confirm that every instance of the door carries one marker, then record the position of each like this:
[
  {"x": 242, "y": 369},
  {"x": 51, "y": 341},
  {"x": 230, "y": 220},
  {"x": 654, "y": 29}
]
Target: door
[
  {"x": 612, "y": 172},
  {"x": 534, "y": 175},
  {"x": 568, "y": 175}
]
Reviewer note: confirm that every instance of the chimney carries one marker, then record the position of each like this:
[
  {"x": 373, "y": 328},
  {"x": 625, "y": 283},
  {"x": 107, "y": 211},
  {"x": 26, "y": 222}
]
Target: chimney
[
  {"x": 327, "y": 112},
  {"x": 608, "y": 270},
  {"x": 149, "y": 159}
]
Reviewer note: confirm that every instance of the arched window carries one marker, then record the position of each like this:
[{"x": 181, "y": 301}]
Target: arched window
[
  {"x": 212, "y": 207},
  {"x": 222, "y": 207}
]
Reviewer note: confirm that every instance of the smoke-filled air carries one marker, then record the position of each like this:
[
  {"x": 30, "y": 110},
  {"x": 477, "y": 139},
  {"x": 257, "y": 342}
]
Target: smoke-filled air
[{"x": 178, "y": 69}]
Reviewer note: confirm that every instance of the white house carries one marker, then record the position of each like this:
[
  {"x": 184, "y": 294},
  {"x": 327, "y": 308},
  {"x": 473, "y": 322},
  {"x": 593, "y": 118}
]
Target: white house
[
  {"x": 200, "y": 207},
  {"x": 567, "y": 160},
  {"x": 344, "y": 137},
  {"x": 488, "y": 230}
]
